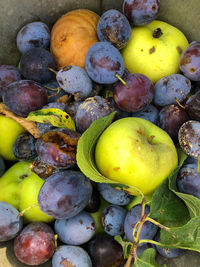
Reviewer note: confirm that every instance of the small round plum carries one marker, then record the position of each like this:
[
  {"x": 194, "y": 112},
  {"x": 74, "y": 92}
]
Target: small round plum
[
  {"x": 141, "y": 12},
  {"x": 136, "y": 94},
  {"x": 103, "y": 63},
  {"x": 114, "y": 27},
  {"x": 34, "y": 34}
]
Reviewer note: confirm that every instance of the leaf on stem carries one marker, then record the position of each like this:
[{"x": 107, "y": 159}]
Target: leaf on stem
[{"x": 147, "y": 259}]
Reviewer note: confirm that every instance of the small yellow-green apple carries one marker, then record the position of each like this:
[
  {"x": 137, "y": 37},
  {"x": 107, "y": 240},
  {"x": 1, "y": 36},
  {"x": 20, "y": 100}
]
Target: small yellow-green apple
[
  {"x": 9, "y": 131},
  {"x": 137, "y": 153},
  {"x": 19, "y": 186},
  {"x": 154, "y": 50}
]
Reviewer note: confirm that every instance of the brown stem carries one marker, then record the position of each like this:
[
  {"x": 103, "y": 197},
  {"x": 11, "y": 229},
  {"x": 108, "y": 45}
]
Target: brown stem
[
  {"x": 52, "y": 70},
  {"x": 58, "y": 91},
  {"x": 151, "y": 242},
  {"x": 28, "y": 208},
  {"x": 50, "y": 88},
  {"x": 156, "y": 223},
  {"x": 179, "y": 103},
  {"x": 131, "y": 255},
  {"x": 136, "y": 233}
]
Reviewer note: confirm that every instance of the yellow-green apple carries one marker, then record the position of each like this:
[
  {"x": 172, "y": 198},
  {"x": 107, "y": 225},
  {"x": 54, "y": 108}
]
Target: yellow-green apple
[
  {"x": 19, "y": 186},
  {"x": 154, "y": 50},
  {"x": 9, "y": 131},
  {"x": 137, "y": 153}
]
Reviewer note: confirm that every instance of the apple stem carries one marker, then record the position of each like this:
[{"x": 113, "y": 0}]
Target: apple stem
[
  {"x": 179, "y": 103},
  {"x": 28, "y": 208},
  {"x": 52, "y": 70},
  {"x": 121, "y": 80}
]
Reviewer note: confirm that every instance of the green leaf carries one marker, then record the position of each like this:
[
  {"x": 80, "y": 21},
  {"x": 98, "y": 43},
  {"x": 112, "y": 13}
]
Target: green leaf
[
  {"x": 192, "y": 203},
  {"x": 85, "y": 154},
  {"x": 125, "y": 245},
  {"x": 185, "y": 237},
  {"x": 54, "y": 116},
  {"x": 180, "y": 212},
  {"x": 147, "y": 259},
  {"x": 166, "y": 206}
]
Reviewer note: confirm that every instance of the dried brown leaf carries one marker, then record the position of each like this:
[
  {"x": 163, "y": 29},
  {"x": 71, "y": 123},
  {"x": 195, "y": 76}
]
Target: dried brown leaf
[{"x": 30, "y": 126}]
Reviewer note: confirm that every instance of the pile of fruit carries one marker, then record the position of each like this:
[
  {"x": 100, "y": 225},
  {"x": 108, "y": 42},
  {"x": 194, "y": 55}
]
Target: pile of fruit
[{"x": 100, "y": 140}]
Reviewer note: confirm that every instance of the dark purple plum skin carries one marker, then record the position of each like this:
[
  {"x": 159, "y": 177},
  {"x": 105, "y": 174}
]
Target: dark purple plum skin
[
  {"x": 170, "y": 88},
  {"x": 112, "y": 219},
  {"x": 192, "y": 106},
  {"x": 188, "y": 180},
  {"x": 34, "y": 34},
  {"x": 8, "y": 74},
  {"x": 35, "y": 64},
  {"x": 132, "y": 217},
  {"x": 114, "y": 196},
  {"x": 76, "y": 230},
  {"x": 10, "y": 222},
  {"x": 170, "y": 119},
  {"x": 91, "y": 109},
  {"x": 71, "y": 256},
  {"x": 104, "y": 251},
  {"x": 70, "y": 193},
  {"x": 103, "y": 61},
  {"x": 24, "y": 96},
  {"x": 24, "y": 147},
  {"x": 190, "y": 62},
  {"x": 141, "y": 12},
  {"x": 136, "y": 94},
  {"x": 114, "y": 27},
  {"x": 149, "y": 113},
  {"x": 57, "y": 147},
  {"x": 94, "y": 202}
]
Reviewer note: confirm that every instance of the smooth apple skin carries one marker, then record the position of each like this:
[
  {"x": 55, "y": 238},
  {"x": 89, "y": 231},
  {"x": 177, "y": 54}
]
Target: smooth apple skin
[
  {"x": 154, "y": 57},
  {"x": 9, "y": 131},
  {"x": 136, "y": 152},
  {"x": 19, "y": 186}
]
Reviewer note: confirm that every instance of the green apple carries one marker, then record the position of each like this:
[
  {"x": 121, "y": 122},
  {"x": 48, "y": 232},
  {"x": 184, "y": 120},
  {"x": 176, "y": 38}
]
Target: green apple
[
  {"x": 137, "y": 153},
  {"x": 19, "y": 186},
  {"x": 9, "y": 131},
  {"x": 154, "y": 50}
]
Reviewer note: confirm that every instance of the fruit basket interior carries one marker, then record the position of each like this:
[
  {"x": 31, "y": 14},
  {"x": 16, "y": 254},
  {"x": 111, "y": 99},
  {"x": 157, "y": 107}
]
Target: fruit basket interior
[{"x": 183, "y": 14}]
